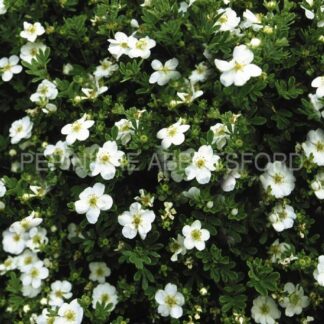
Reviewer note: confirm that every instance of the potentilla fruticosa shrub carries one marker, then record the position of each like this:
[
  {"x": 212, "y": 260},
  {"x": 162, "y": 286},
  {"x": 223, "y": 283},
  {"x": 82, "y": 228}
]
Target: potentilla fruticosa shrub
[{"x": 161, "y": 161}]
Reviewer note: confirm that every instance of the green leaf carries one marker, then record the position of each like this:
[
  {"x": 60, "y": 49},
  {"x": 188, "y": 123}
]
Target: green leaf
[{"x": 262, "y": 277}]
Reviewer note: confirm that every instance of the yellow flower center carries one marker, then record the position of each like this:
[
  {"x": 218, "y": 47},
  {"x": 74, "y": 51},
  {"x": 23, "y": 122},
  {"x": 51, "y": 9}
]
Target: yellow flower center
[
  {"x": 294, "y": 298},
  {"x": 264, "y": 309},
  {"x": 36, "y": 239},
  {"x": 172, "y": 131},
  {"x": 16, "y": 237},
  {"x": 93, "y": 201},
  {"x": 31, "y": 29},
  {"x": 105, "y": 298},
  {"x": 7, "y": 263},
  {"x": 278, "y": 179},
  {"x": 201, "y": 163},
  {"x": 238, "y": 67},
  {"x": 58, "y": 293},
  {"x": 223, "y": 19},
  {"x": 282, "y": 215},
  {"x": 70, "y": 315},
  {"x": 196, "y": 235},
  {"x": 137, "y": 220},
  {"x": 34, "y": 273},
  {"x": 7, "y": 67},
  {"x": 19, "y": 129},
  {"x": 319, "y": 146},
  {"x": 105, "y": 158},
  {"x": 43, "y": 90},
  {"x": 28, "y": 260},
  {"x": 33, "y": 52},
  {"x": 76, "y": 127},
  {"x": 141, "y": 44},
  {"x": 170, "y": 301}
]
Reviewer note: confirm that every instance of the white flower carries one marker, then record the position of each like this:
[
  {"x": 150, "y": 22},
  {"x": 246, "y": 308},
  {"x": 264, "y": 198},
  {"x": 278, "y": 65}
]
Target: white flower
[
  {"x": 38, "y": 191},
  {"x": 136, "y": 221},
  {"x": 37, "y": 238},
  {"x": 314, "y": 146},
  {"x": 3, "y": 8},
  {"x": 173, "y": 134},
  {"x": 319, "y": 84},
  {"x": 71, "y": 313},
  {"x": 120, "y": 45},
  {"x": 20, "y": 129},
  {"x": 318, "y": 185},
  {"x": 34, "y": 275},
  {"x": 46, "y": 90},
  {"x": 251, "y": 20},
  {"x": 228, "y": 20},
  {"x": 67, "y": 68},
  {"x": 10, "y": 263},
  {"x": 32, "y": 31},
  {"x": 74, "y": 232},
  {"x": 146, "y": 3},
  {"x": 26, "y": 260},
  {"x": 44, "y": 318},
  {"x": 30, "y": 292},
  {"x": 279, "y": 179},
  {"x": 200, "y": 73},
  {"x": 192, "y": 193},
  {"x": 164, "y": 73},
  {"x": 282, "y": 217},
  {"x": 170, "y": 301},
  {"x": 141, "y": 47},
  {"x": 78, "y": 130},
  {"x": 319, "y": 271},
  {"x": 146, "y": 199},
  {"x": 277, "y": 250},
  {"x": 25, "y": 224},
  {"x": 93, "y": 93},
  {"x": 125, "y": 130},
  {"x": 255, "y": 42},
  {"x": 80, "y": 163},
  {"x": 99, "y": 271},
  {"x": 309, "y": 13},
  {"x": 190, "y": 96},
  {"x": 92, "y": 201},
  {"x": 105, "y": 69},
  {"x": 203, "y": 162},
  {"x": 134, "y": 23},
  {"x": 3, "y": 188},
  {"x": 183, "y": 8},
  {"x": 9, "y": 67},
  {"x": 195, "y": 236},
  {"x": 60, "y": 290},
  {"x": 265, "y": 310},
  {"x": 294, "y": 301},
  {"x": 29, "y": 51},
  {"x": 239, "y": 70},
  {"x": 107, "y": 159},
  {"x": 59, "y": 155},
  {"x": 104, "y": 294},
  {"x": 177, "y": 247},
  {"x": 221, "y": 135},
  {"x": 229, "y": 180},
  {"x": 13, "y": 242},
  {"x": 317, "y": 104}
]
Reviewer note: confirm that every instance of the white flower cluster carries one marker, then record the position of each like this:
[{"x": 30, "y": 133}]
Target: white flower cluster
[
  {"x": 266, "y": 311},
  {"x": 24, "y": 239}
]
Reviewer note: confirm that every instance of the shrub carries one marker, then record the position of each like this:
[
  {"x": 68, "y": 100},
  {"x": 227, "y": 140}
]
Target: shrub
[{"x": 162, "y": 162}]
